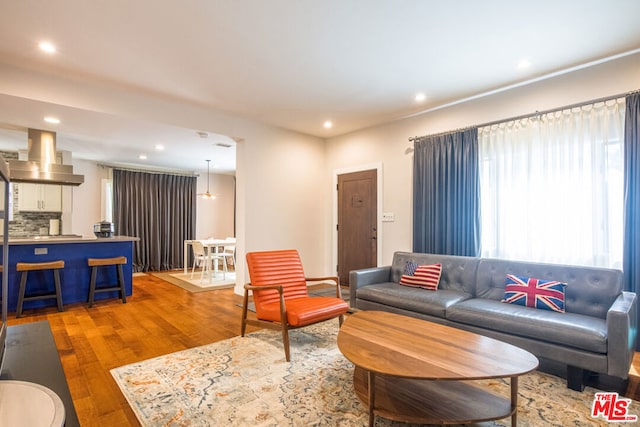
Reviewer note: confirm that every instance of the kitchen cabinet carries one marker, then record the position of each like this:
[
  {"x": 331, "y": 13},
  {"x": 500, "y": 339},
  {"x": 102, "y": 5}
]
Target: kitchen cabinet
[{"x": 40, "y": 197}]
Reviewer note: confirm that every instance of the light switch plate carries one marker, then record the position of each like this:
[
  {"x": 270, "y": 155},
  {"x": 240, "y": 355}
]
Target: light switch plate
[{"x": 388, "y": 217}]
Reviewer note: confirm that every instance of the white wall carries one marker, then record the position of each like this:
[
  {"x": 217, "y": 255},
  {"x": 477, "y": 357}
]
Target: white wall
[
  {"x": 280, "y": 196},
  {"x": 215, "y": 217},
  {"x": 85, "y": 201},
  {"x": 389, "y": 143}
]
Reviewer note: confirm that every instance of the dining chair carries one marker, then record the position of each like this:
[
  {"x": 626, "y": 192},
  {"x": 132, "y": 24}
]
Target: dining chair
[
  {"x": 200, "y": 258},
  {"x": 229, "y": 251},
  {"x": 280, "y": 295},
  {"x": 216, "y": 256}
]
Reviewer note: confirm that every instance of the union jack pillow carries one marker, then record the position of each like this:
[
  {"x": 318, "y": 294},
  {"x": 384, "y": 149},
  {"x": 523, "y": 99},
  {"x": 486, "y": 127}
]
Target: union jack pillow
[
  {"x": 536, "y": 293},
  {"x": 425, "y": 276}
]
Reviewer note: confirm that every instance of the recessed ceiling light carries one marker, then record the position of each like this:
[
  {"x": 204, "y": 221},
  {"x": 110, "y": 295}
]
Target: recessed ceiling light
[
  {"x": 142, "y": 157},
  {"x": 420, "y": 97},
  {"x": 523, "y": 64},
  {"x": 328, "y": 124},
  {"x": 47, "y": 47},
  {"x": 159, "y": 147},
  {"x": 53, "y": 120}
]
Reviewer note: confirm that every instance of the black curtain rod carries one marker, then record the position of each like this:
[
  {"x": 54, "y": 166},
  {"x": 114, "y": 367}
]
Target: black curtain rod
[
  {"x": 525, "y": 116},
  {"x": 142, "y": 169}
]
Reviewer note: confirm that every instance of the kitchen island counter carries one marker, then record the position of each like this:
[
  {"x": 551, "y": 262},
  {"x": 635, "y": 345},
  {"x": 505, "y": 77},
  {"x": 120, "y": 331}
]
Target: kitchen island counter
[
  {"x": 68, "y": 239},
  {"x": 76, "y": 274}
]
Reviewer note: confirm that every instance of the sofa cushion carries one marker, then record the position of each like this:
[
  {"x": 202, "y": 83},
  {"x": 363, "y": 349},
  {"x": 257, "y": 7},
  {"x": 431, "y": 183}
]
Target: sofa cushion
[
  {"x": 424, "y": 276},
  {"x": 458, "y": 272},
  {"x": 567, "y": 329},
  {"x": 412, "y": 299},
  {"x": 535, "y": 293},
  {"x": 590, "y": 290}
]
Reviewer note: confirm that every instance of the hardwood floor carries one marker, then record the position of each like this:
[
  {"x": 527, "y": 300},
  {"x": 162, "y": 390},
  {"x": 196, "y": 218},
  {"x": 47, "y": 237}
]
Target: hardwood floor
[
  {"x": 633, "y": 389},
  {"x": 159, "y": 318}
]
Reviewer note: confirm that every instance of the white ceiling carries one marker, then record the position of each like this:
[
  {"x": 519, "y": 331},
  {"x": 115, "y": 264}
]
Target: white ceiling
[{"x": 294, "y": 63}]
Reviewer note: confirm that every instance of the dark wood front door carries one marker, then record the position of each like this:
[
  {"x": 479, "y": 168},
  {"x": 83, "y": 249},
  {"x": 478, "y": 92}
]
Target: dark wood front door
[{"x": 357, "y": 222}]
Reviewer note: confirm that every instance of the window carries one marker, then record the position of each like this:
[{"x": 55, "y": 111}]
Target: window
[
  {"x": 106, "y": 207},
  {"x": 552, "y": 187}
]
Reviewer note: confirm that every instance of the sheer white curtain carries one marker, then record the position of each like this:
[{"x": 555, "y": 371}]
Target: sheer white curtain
[{"x": 552, "y": 187}]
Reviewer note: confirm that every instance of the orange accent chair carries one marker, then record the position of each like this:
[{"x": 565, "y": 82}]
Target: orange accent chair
[{"x": 280, "y": 295}]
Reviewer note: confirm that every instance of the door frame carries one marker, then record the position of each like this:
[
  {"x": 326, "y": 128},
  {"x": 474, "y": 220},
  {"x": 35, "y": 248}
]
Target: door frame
[{"x": 334, "y": 198}]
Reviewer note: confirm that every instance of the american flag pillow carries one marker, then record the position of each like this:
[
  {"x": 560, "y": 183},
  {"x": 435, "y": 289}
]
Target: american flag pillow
[
  {"x": 410, "y": 268},
  {"x": 530, "y": 292},
  {"x": 425, "y": 276}
]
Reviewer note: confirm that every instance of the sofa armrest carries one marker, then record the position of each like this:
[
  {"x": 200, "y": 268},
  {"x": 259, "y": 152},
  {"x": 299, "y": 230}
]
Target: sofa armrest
[
  {"x": 367, "y": 276},
  {"x": 621, "y": 334}
]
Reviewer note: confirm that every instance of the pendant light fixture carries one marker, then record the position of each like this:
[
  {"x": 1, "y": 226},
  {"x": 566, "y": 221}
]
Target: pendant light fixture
[{"x": 208, "y": 195}]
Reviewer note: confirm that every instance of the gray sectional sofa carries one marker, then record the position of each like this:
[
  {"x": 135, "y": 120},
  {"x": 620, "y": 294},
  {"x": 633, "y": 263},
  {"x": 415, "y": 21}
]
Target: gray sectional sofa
[{"x": 596, "y": 333}]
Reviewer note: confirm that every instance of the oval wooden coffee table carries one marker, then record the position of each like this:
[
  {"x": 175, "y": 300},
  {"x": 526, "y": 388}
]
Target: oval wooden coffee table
[{"x": 416, "y": 371}]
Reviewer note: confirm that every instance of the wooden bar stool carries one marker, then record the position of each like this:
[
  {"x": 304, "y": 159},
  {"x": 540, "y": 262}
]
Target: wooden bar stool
[
  {"x": 25, "y": 268},
  {"x": 94, "y": 263}
]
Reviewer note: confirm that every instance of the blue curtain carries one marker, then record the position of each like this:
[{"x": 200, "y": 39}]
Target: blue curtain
[
  {"x": 631, "y": 262},
  {"x": 446, "y": 194},
  {"x": 160, "y": 209}
]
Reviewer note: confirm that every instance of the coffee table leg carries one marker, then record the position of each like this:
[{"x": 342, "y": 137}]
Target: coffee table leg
[
  {"x": 514, "y": 401},
  {"x": 372, "y": 395}
]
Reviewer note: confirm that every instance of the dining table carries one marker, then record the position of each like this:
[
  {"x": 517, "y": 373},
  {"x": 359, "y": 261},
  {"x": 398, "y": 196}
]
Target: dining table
[{"x": 212, "y": 247}]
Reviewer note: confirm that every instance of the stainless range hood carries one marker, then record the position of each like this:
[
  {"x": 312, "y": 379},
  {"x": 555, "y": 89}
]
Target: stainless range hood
[{"x": 40, "y": 166}]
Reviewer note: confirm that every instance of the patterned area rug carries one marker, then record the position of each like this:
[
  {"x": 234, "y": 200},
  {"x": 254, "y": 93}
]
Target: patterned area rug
[{"x": 246, "y": 382}]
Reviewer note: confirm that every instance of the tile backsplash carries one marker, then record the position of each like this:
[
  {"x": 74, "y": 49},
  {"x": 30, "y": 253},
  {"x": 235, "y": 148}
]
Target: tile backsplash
[{"x": 26, "y": 224}]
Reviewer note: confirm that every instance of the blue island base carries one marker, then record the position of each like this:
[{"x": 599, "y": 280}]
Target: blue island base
[{"x": 76, "y": 274}]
